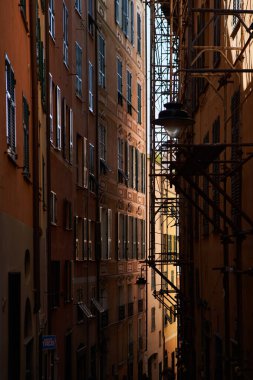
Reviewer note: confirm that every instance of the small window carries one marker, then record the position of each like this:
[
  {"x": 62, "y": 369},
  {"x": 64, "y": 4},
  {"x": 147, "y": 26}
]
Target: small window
[
  {"x": 90, "y": 87},
  {"x": 51, "y": 17},
  {"x": 92, "y": 180},
  {"x": 119, "y": 81},
  {"x": 22, "y": 5},
  {"x": 90, "y": 17},
  {"x": 53, "y": 208},
  {"x": 101, "y": 61},
  {"x": 139, "y": 103},
  {"x": 26, "y": 167},
  {"x": 58, "y": 118},
  {"x": 138, "y": 33},
  {"x": 153, "y": 319},
  {"x": 78, "y": 70},
  {"x": 129, "y": 92},
  {"x": 10, "y": 109},
  {"x": 78, "y": 6},
  {"x": 51, "y": 106},
  {"x": 65, "y": 35}
]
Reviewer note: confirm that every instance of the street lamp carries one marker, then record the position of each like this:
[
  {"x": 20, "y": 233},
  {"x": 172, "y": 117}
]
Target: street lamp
[{"x": 174, "y": 119}]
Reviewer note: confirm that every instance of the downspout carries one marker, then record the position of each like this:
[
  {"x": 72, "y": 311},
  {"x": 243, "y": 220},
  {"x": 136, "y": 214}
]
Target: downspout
[
  {"x": 35, "y": 164},
  {"x": 98, "y": 226},
  {"x": 48, "y": 167}
]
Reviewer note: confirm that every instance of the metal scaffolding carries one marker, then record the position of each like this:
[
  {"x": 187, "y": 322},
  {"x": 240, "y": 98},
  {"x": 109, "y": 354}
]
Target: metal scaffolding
[{"x": 182, "y": 64}]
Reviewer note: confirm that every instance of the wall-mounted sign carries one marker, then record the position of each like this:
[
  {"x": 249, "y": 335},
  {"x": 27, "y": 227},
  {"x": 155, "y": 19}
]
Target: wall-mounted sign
[{"x": 48, "y": 342}]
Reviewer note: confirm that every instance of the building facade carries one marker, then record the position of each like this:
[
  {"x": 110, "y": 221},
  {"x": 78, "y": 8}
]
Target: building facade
[
  {"x": 122, "y": 185},
  {"x": 210, "y": 168}
]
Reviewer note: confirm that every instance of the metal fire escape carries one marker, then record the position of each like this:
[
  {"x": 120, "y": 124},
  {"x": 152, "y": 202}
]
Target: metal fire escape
[{"x": 178, "y": 70}]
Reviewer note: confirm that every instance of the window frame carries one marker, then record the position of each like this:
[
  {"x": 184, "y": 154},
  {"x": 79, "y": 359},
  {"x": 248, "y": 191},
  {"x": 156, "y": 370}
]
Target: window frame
[
  {"x": 90, "y": 85},
  {"x": 65, "y": 34},
  {"x": 11, "y": 133},
  {"x": 51, "y": 18},
  {"x": 101, "y": 60},
  {"x": 79, "y": 81}
]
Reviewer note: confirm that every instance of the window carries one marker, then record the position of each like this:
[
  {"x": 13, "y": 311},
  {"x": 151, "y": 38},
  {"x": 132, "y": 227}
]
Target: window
[
  {"x": 131, "y": 34},
  {"x": 124, "y": 17},
  {"x": 78, "y": 6},
  {"x": 26, "y": 169},
  {"x": 65, "y": 34},
  {"x": 78, "y": 70},
  {"x": 10, "y": 109},
  {"x": 143, "y": 173},
  {"x": 70, "y": 135},
  {"x": 101, "y": 61},
  {"x": 119, "y": 81},
  {"x": 122, "y": 177},
  {"x": 80, "y": 238},
  {"x": 92, "y": 181},
  {"x": 134, "y": 241},
  {"x": 139, "y": 103},
  {"x": 129, "y": 92},
  {"x": 143, "y": 239},
  {"x": 22, "y": 5},
  {"x": 106, "y": 232},
  {"x": 90, "y": 87},
  {"x": 51, "y": 17},
  {"x": 58, "y": 116},
  {"x": 138, "y": 33},
  {"x": 53, "y": 208},
  {"x": 102, "y": 142},
  {"x": 81, "y": 162},
  {"x": 153, "y": 319},
  {"x": 104, "y": 168},
  {"x": 90, "y": 17},
  {"x": 51, "y": 107},
  {"x": 122, "y": 236}
]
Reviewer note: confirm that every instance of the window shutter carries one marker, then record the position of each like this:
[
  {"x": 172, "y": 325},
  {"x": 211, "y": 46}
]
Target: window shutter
[
  {"x": 64, "y": 127},
  {"x": 58, "y": 131},
  {"x": 70, "y": 135},
  {"x": 109, "y": 232},
  {"x": 119, "y": 237},
  {"x": 85, "y": 169},
  {"x": 134, "y": 167},
  {"x": 77, "y": 247},
  {"x": 51, "y": 108},
  {"x": 132, "y": 22},
  {"x": 90, "y": 240},
  {"x": 26, "y": 135},
  {"x": 85, "y": 240}
]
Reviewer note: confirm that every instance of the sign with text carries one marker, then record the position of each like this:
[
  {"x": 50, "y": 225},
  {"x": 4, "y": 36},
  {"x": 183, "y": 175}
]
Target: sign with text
[{"x": 48, "y": 342}]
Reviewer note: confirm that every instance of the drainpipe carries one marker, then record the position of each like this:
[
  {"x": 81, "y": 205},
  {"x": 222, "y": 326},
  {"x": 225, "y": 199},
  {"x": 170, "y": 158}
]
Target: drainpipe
[
  {"x": 35, "y": 166},
  {"x": 98, "y": 227}
]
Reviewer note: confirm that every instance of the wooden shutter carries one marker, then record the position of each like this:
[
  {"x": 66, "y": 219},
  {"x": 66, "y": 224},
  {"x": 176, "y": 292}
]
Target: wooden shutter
[
  {"x": 70, "y": 135},
  {"x": 109, "y": 233},
  {"x": 58, "y": 117}
]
